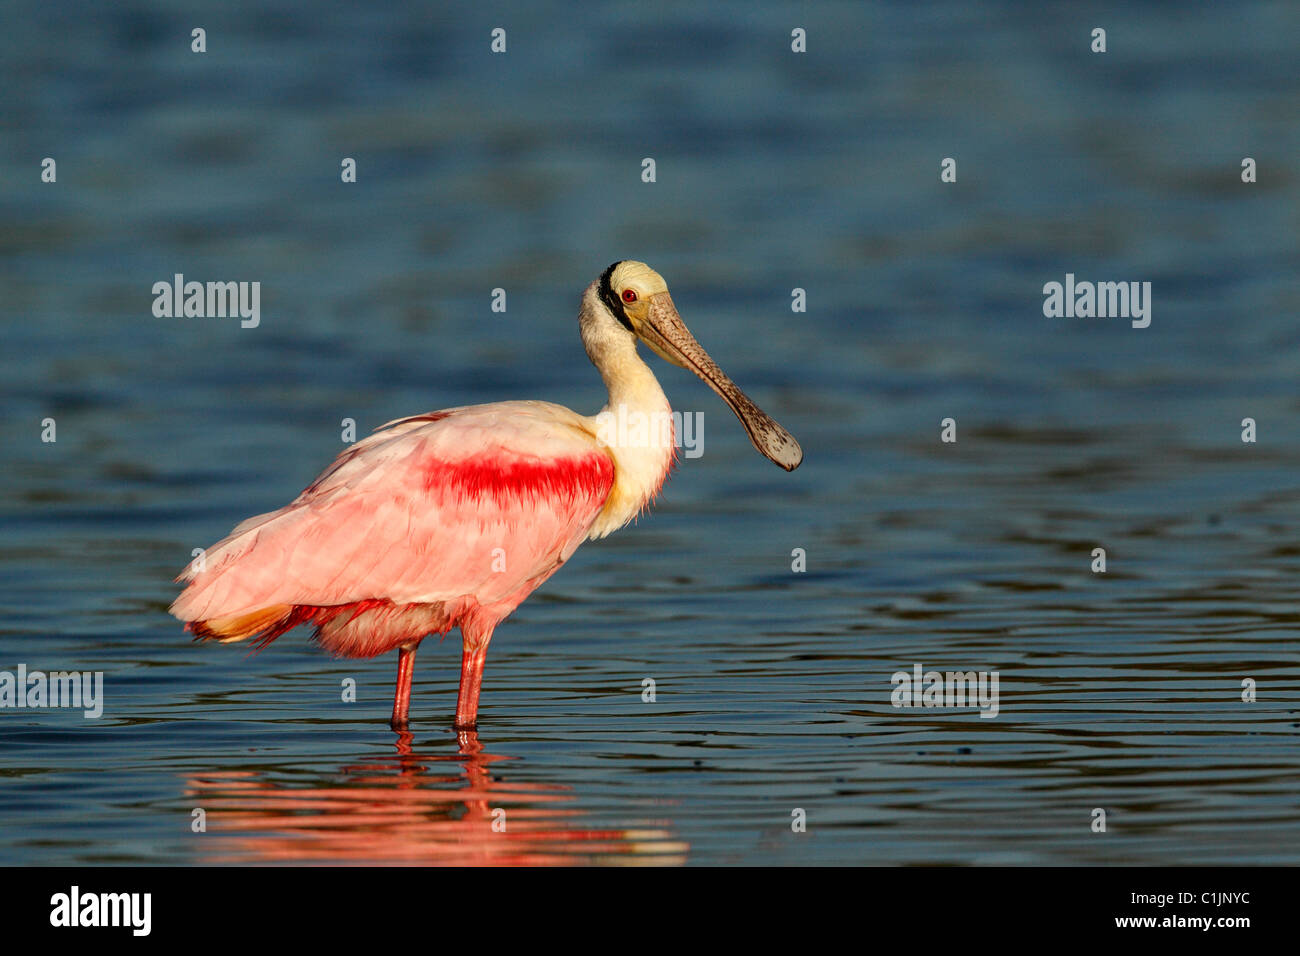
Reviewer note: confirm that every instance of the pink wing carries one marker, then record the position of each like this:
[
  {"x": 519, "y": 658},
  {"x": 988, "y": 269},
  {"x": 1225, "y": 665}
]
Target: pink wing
[{"x": 475, "y": 501}]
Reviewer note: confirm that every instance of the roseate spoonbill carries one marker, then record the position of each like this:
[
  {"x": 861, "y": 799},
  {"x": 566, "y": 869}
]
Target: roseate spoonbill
[{"x": 451, "y": 519}]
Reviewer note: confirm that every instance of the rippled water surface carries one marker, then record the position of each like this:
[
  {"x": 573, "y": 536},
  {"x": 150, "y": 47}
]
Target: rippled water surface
[{"x": 818, "y": 171}]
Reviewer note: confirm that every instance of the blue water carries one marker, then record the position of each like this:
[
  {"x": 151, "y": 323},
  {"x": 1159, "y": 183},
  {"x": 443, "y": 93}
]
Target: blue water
[{"x": 774, "y": 171}]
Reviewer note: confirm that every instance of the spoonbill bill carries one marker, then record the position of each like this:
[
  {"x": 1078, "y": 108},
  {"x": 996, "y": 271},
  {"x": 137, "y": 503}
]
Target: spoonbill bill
[{"x": 452, "y": 518}]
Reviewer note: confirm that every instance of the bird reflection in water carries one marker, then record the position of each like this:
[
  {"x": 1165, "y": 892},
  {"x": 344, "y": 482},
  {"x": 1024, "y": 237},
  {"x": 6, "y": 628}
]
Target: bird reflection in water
[{"x": 419, "y": 809}]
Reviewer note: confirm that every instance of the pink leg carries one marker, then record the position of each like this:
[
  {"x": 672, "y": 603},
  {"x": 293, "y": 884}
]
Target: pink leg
[
  {"x": 471, "y": 681},
  {"x": 402, "y": 698}
]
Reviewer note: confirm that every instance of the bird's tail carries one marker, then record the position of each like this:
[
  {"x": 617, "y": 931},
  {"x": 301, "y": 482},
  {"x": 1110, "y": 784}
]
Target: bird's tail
[
  {"x": 266, "y": 623},
  {"x": 226, "y": 597}
]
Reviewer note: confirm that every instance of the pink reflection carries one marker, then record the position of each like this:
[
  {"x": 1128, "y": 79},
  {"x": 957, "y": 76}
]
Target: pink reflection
[{"x": 428, "y": 810}]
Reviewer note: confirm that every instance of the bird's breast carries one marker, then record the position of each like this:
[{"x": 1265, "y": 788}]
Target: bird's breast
[{"x": 642, "y": 442}]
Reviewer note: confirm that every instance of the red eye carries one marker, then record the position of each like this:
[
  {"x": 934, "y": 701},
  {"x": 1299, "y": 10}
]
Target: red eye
[{"x": 629, "y": 295}]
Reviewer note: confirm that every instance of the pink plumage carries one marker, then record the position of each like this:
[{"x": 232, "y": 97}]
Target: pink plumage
[
  {"x": 438, "y": 521},
  {"x": 453, "y": 518}
]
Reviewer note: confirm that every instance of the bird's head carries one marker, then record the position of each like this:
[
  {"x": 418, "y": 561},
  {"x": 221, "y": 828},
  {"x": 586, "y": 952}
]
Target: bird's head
[{"x": 636, "y": 298}]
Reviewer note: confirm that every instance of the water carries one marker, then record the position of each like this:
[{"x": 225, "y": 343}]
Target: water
[{"x": 1119, "y": 691}]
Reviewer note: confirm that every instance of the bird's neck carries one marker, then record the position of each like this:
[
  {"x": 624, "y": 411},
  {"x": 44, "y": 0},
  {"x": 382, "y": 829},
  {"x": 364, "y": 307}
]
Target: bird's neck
[
  {"x": 631, "y": 383},
  {"x": 636, "y": 427}
]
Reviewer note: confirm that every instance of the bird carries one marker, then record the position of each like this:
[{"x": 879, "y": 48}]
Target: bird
[{"x": 452, "y": 518}]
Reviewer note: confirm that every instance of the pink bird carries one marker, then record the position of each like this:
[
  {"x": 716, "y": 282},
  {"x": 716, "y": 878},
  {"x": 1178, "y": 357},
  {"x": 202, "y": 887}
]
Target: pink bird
[{"x": 453, "y": 518}]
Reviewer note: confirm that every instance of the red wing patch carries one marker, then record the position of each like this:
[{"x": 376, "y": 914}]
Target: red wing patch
[{"x": 577, "y": 478}]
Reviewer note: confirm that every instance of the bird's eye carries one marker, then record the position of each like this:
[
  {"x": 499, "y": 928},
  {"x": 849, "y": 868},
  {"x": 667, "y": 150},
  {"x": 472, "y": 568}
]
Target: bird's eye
[{"x": 629, "y": 295}]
